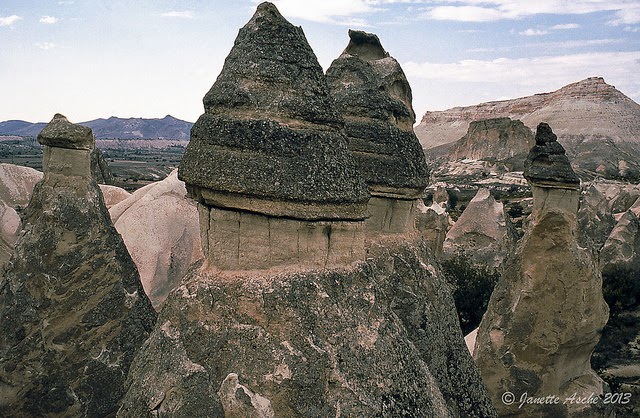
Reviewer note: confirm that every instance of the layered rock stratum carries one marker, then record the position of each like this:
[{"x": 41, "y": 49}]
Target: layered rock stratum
[
  {"x": 597, "y": 124},
  {"x": 374, "y": 97},
  {"x": 547, "y": 311},
  {"x": 72, "y": 309}
]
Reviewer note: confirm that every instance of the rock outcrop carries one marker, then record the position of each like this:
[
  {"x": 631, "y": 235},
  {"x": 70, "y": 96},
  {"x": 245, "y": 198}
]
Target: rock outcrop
[
  {"x": 374, "y": 97},
  {"x": 100, "y": 168},
  {"x": 547, "y": 311},
  {"x": 595, "y": 219},
  {"x": 268, "y": 162},
  {"x": 72, "y": 310},
  {"x": 480, "y": 233},
  {"x": 597, "y": 124},
  {"x": 374, "y": 336},
  {"x": 433, "y": 222},
  {"x": 495, "y": 139},
  {"x": 159, "y": 226}
]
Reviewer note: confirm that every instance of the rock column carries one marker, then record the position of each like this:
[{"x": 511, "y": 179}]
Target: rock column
[
  {"x": 546, "y": 313},
  {"x": 268, "y": 163},
  {"x": 374, "y": 97}
]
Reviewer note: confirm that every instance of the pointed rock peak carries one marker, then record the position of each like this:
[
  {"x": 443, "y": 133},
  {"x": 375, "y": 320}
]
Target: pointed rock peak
[
  {"x": 547, "y": 164},
  {"x": 267, "y": 10},
  {"x": 60, "y": 133},
  {"x": 544, "y": 134},
  {"x": 365, "y": 45}
]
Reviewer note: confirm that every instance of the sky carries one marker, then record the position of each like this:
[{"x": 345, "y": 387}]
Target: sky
[{"x": 89, "y": 59}]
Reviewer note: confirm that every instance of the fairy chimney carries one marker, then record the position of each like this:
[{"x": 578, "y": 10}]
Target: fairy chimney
[
  {"x": 268, "y": 162},
  {"x": 547, "y": 311},
  {"x": 374, "y": 97}
]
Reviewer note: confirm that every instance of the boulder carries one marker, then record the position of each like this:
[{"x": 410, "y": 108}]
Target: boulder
[
  {"x": 481, "y": 232},
  {"x": 546, "y": 313},
  {"x": 159, "y": 226},
  {"x": 72, "y": 309}
]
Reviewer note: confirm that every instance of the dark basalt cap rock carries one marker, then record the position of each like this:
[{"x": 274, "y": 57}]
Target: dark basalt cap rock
[
  {"x": 61, "y": 133},
  {"x": 547, "y": 163},
  {"x": 270, "y": 140},
  {"x": 374, "y": 97}
]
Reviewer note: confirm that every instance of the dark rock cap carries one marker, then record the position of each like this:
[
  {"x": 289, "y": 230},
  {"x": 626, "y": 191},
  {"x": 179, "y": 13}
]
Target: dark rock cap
[
  {"x": 61, "y": 133},
  {"x": 270, "y": 140},
  {"x": 547, "y": 163},
  {"x": 374, "y": 97}
]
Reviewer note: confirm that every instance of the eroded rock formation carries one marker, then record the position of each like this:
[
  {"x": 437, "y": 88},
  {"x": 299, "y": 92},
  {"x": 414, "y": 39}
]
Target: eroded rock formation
[
  {"x": 546, "y": 313},
  {"x": 159, "y": 226},
  {"x": 357, "y": 337},
  {"x": 374, "y": 97},
  {"x": 480, "y": 233},
  {"x": 283, "y": 187},
  {"x": 72, "y": 309},
  {"x": 495, "y": 139}
]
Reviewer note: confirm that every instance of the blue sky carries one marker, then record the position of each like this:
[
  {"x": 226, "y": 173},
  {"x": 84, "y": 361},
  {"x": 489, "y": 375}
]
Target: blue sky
[{"x": 100, "y": 58}]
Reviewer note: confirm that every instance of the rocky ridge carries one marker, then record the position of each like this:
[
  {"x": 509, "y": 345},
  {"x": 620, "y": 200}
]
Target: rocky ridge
[{"x": 597, "y": 124}]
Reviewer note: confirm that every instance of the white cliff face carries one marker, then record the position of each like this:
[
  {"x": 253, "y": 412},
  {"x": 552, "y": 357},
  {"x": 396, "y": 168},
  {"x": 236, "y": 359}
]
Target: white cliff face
[
  {"x": 547, "y": 311},
  {"x": 159, "y": 226}
]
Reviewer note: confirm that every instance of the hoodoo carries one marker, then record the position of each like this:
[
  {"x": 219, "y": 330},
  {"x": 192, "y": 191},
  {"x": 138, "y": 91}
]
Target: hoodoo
[
  {"x": 374, "y": 97},
  {"x": 546, "y": 313},
  {"x": 267, "y": 160},
  {"x": 286, "y": 317},
  {"x": 72, "y": 309}
]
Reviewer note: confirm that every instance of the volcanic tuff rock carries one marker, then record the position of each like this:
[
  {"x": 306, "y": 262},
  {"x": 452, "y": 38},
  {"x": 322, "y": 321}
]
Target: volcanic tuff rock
[
  {"x": 270, "y": 139},
  {"x": 433, "y": 222},
  {"x": 159, "y": 226},
  {"x": 597, "y": 124},
  {"x": 72, "y": 309},
  {"x": 268, "y": 162},
  {"x": 374, "y": 97},
  {"x": 595, "y": 219},
  {"x": 481, "y": 232},
  {"x": 547, "y": 162},
  {"x": 380, "y": 340},
  {"x": 495, "y": 139},
  {"x": 546, "y": 313}
]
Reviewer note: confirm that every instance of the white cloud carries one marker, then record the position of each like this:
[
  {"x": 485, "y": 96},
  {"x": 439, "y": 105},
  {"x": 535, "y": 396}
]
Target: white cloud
[
  {"x": 48, "y": 20},
  {"x": 627, "y": 11},
  {"x": 328, "y": 11},
  {"x": 9, "y": 20},
  {"x": 559, "y": 69},
  {"x": 632, "y": 29},
  {"x": 533, "y": 32},
  {"x": 184, "y": 14},
  {"x": 566, "y": 26},
  {"x": 45, "y": 45}
]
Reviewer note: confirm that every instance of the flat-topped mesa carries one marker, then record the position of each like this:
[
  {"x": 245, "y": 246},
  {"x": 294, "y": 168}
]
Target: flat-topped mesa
[
  {"x": 374, "y": 97},
  {"x": 268, "y": 161},
  {"x": 67, "y": 147}
]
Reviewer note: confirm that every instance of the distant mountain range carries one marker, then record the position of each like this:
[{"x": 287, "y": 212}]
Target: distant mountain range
[
  {"x": 113, "y": 128},
  {"x": 597, "y": 124}
]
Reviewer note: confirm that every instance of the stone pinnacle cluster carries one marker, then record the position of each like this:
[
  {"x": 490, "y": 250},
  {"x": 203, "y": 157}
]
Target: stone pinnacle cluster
[{"x": 374, "y": 97}]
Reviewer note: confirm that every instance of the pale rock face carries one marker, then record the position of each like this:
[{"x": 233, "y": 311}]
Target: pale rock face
[
  {"x": 621, "y": 251},
  {"x": 433, "y": 222},
  {"x": 159, "y": 226},
  {"x": 481, "y": 232},
  {"x": 113, "y": 195},
  {"x": 595, "y": 219},
  {"x": 16, "y": 184}
]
